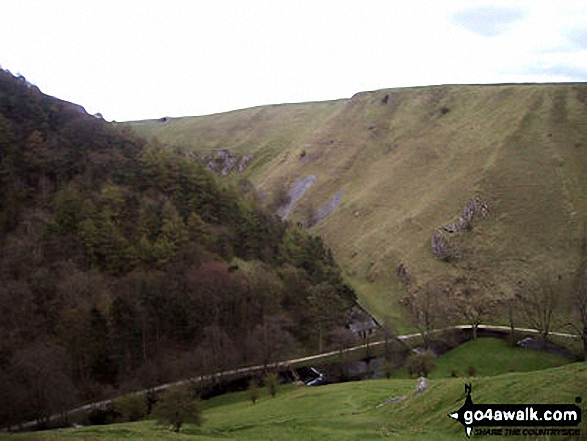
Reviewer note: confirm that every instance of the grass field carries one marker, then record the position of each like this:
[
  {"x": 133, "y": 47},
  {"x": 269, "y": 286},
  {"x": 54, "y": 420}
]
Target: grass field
[
  {"x": 408, "y": 160},
  {"x": 490, "y": 357},
  {"x": 350, "y": 411}
]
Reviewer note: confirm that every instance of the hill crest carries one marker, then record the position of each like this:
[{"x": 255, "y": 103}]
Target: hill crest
[{"x": 408, "y": 160}]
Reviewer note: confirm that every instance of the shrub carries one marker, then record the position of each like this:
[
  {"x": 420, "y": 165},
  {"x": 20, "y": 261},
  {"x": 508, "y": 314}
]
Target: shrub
[
  {"x": 176, "y": 407},
  {"x": 421, "y": 364},
  {"x": 271, "y": 382},
  {"x": 253, "y": 391},
  {"x": 131, "y": 407},
  {"x": 100, "y": 416},
  {"x": 471, "y": 370},
  {"x": 280, "y": 199}
]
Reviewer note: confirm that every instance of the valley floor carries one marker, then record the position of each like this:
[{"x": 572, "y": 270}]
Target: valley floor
[{"x": 353, "y": 411}]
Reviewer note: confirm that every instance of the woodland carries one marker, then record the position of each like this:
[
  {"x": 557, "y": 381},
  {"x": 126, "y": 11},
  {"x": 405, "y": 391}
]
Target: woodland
[{"x": 125, "y": 263}]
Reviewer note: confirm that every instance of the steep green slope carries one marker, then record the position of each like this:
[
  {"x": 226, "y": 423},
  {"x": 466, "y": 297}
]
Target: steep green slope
[
  {"x": 266, "y": 131},
  {"x": 407, "y": 161}
]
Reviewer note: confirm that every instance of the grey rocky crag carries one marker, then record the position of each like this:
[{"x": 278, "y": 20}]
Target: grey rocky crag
[
  {"x": 296, "y": 192},
  {"x": 328, "y": 208},
  {"x": 223, "y": 161},
  {"x": 440, "y": 239}
]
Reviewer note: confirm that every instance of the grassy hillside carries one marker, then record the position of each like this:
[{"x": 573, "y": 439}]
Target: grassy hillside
[
  {"x": 408, "y": 160},
  {"x": 268, "y": 131},
  {"x": 350, "y": 411},
  {"x": 490, "y": 357}
]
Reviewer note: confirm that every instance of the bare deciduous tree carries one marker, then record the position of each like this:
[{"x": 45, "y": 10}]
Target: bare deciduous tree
[
  {"x": 341, "y": 339},
  {"x": 511, "y": 304},
  {"x": 579, "y": 325},
  {"x": 271, "y": 341},
  {"x": 538, "y": 305},
  {"x": 217, "y": 349},
  {"x": 427, "y": 307},
  {"x": 473, "y": 302}
]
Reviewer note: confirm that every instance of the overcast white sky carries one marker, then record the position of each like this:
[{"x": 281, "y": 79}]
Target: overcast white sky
[{"x": 145, "y": 59}]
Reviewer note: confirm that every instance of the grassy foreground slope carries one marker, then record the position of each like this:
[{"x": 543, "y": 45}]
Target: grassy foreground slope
[
  {"x": 408, "y": 160},
  {"x": 350, "y": 411}
]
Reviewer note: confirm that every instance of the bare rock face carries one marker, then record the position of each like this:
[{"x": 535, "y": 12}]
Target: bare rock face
[
  {"x": 329, "y": 207},
  {"x": 296, "y": 192},
  {"x": 244, "y": 162},
  {"x": 422, "y": 385},
  {"x": 474, "y": 207},
  {"x": 440, "y": 240},
  {"x": 223, "y": 161}
]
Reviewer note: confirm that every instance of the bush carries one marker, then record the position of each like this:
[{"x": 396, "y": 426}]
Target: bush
[
  {"x": 176, "y": 407},
  {"x": 471, "y": 370},
  {"x": 280, "y": 199},
  {"x": 454, "y": 373},
  {"x": 271, "y": 382},
  {"x": 101, "y": 416},
  {"x": 421, "y": 364},
  {"x": 253, "y": 391},
  {"x": 131, "y": 407}
]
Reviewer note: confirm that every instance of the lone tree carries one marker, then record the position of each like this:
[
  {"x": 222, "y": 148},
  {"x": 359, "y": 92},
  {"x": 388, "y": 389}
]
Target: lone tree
[
  {"x": 579, "y": 325},
  {"x": 427, "y": 307},
  {"x": 271, "y": 381},
  {"x": 342, "y": 339},
  {"x": 473, "y": 302},
  {"x": 539, "y": 305},
  {"x": 253, "y": 391},
  {"x": 510, "y": 304},
  {"x": 177, "y": 407}
]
